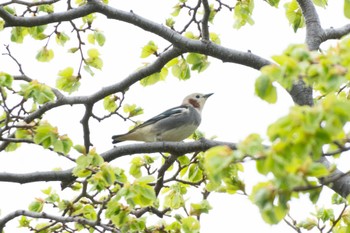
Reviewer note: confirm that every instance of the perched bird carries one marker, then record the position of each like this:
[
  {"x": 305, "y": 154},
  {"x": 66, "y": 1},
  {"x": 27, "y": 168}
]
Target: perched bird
[{"x": 175, "y": 124}]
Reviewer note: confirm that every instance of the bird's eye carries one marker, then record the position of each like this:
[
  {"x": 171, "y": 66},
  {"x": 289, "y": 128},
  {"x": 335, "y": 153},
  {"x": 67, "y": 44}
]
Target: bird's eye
[{"x": 198, "y": 96}]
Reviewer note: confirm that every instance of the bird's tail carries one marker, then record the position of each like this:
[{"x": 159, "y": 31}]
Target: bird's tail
[{"x": 118, "y": 138}]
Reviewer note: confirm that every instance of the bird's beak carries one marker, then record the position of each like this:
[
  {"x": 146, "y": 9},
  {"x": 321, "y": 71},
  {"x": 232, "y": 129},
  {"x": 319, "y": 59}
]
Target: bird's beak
[{"x": 207, "y": 95}]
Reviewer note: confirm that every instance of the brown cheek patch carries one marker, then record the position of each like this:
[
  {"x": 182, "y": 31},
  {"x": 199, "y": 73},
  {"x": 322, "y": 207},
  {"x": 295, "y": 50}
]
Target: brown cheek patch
[{"x": 194, "y": 103}]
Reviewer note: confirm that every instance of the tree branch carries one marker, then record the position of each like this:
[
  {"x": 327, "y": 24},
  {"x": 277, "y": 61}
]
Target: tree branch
[
  {"x": 314, "y": 31},
  {"x": 336, "y": 33},
  {"x": 61, "y": 219},
  {"x": 338, "y": 180},
  {"x": 86, "y": 129},
  {"x": 205, "y": 19},
  {"x": 178, "y": 148}
]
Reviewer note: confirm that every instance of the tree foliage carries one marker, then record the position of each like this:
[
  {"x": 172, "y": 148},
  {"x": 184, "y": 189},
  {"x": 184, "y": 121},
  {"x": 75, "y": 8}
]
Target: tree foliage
[{"x": 107, "y": 197}]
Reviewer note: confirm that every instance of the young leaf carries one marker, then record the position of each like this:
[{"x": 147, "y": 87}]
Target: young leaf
[
  {"x": 5, "y": 80},
  {"x": 36, "y": 206},
  {"x": 38, "y": 91},
  {"x": 100, "y": 38},
  {"x": 18, "y": 34},
  {"x": 45, "y": 135},
  {"x": 155, "y": 77},
  {"x": 181, "y": 70},
  {"x": 265, "y": 89},
  {"x": 94, "y": 60},
  {"x": 347, "y": 8},
  {"x": 109, "y": 103},
  {"x": 294, "y": 15},
  {"x": 149, "y": 49},
  {"x": 45, "y": 54},
  {"x": 61, "y": 38},
  {"x": 133, "y": 110},
  {"x": 67, "y": 81}
]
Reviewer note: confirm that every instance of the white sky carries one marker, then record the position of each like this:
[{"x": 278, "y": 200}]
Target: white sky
[{"x": 231, "y": 113}]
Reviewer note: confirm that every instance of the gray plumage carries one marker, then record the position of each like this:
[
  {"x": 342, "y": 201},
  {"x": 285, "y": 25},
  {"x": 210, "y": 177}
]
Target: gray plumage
[{"x": 174, "y": 124}]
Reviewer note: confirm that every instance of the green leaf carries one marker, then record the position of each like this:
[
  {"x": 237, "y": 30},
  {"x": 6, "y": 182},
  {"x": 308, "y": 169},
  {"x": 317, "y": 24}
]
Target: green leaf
[
  {"x": 177, "y": 8},
  {"x": 2, "y": 24},
  {"x": 24, "y": 134},
  {"x": 243, "y": 12},
  {"x": 149, "y": 49},
  {"x": 48, "y": 8},
  {"x": 38, "y": 91},
  {"x": 117, "y": 213},
  {"x": 45, "y": 134},
  {"x": 24, "y": 222},
  {"x": 5, "y": 80},
  {"x": 132, "y": 110},
  {"x": 63, "y": 145},
  {"x": 100, "y": 38},
  {"x": 91, "y": 38},
  {"x": 321, "y": 3},
  {"x": 317, "y": 170},
  {"x": 93, "y": 53},
  {"x": 80, "y": 149},
  {"x": 37, "y": 32},
  {"x": 216, "y": 161},
  {"x": 61, "y": 38},
  {"x": 45, "y": 54},
  {"x": 190, "y": 225},
  {"x": 272, "y": 208},
  {"x": 251, "y": 145},
  {"x": 273, "y": 2},
  {"x": 73, "y": 50},
  {"x": 294, "y": 15},
  {"x": 215, "y": 38},
  {"x": 155, "y": 77},
  {"x": 135, "y": 168},
  {"x": 347, "y": 8},
  {"x": 97, "y": 36},
  {"x": 181, "y": 70},
  {"x": 199, "y": 208},
  {"x": 12, "y": 146},
  {"x": 170, "y": 22},
  {"x": 195, "y": 174},
  {"x": 308, "y": 224},
  {"x": 109, "y": 103},
  {"x": 94, "y": 60},
  {"x": 85, "y": 163},
  {"x": 89, "y": 18},
  {"x": 174, "y": 198},
  {"x": 325, "y": 214},
  {"x": 18, "y": 34},
  {"x": 36, "y": 206},
  {"x": 265, "y": 89},
  {"x": 198, "y": 61},
  {"x": 67, "y": 81}
]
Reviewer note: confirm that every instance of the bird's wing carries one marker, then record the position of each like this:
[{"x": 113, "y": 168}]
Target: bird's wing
[{"x": 168, "y": 113}]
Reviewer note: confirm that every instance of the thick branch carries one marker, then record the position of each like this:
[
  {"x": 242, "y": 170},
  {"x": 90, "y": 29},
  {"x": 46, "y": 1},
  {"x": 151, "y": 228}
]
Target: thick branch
[
  {"x": 338, "y": 181},
  {"x": 336, "y": 33},
  {"x": 205, "y": 19},
  {"x": 86, "y": 128},
  {"x": 314, "y": 31},
  {"x": 186, "y": 45},
  {"x": 61, "y": 219},
  {"x": 178, "y": 148}
]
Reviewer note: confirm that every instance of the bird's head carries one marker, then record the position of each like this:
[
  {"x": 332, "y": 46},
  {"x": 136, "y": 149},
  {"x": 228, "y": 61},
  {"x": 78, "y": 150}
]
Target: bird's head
[{"x": 196, "y": 100}]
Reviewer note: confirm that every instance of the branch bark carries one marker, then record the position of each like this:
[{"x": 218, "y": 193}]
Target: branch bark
[
  {"x": 177, "y": 148},
  {"x": 60, "y": 219}
]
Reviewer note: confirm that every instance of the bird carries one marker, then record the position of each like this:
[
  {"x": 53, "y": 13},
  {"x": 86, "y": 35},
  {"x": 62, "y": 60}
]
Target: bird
[{"x": 174, "y": 124}]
